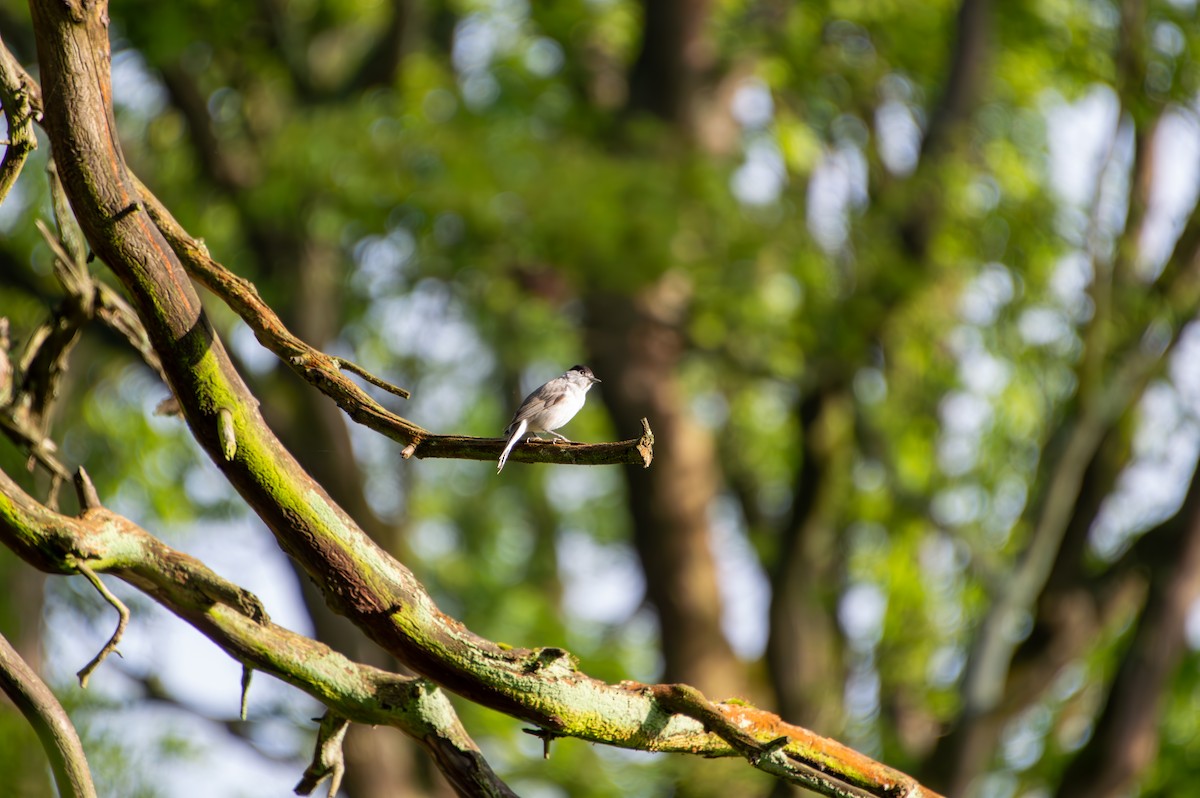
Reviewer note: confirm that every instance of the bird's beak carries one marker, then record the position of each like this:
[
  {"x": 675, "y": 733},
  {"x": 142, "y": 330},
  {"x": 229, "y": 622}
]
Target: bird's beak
[{"x": 595, "y": 379}]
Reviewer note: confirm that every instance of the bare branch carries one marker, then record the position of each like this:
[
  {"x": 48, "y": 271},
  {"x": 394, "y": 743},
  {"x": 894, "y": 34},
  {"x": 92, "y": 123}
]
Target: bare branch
[
  {"x": 635, "y": 451},
  {"x": 354, "y": 368},
  {"x": 123, "y": 621},
  {"x": 15, "y": 423},
  {"x": 48, "y": 718},
  {"x": 247, "y": 675},
  {"x": 328, "y": 762}
]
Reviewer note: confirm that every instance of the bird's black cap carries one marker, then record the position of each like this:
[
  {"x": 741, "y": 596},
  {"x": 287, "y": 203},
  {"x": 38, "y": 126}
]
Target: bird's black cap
[{"x": 585, "y": 371}]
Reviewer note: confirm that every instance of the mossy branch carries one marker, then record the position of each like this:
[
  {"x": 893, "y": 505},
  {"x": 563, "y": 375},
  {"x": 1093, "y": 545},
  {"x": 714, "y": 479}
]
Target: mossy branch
[
  {"x": 22, "y": 104},
  {"x": 234, "y": 619}
]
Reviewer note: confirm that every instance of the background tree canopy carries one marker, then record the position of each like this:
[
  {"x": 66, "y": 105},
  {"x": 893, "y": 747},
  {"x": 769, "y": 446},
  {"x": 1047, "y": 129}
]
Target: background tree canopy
[{"x": 905, "y": 291}]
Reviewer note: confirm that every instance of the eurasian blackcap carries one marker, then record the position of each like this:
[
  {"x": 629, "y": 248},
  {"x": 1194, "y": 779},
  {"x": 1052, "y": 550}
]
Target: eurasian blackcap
[{"x": 549, "y": 407}]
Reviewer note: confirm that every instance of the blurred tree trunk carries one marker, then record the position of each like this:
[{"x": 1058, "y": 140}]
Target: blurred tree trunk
[
  {"x": 805, "y": 646},
  {"x": 1125, "y": 740},
  {"x": 636, "y": 344},
  {"x": 667, "y": 77},
  {"x": 804, "y": 650}
]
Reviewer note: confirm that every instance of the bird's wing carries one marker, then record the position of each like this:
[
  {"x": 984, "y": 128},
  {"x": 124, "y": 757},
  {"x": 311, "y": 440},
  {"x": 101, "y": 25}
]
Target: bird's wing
[{"x": 534, "y": 405}]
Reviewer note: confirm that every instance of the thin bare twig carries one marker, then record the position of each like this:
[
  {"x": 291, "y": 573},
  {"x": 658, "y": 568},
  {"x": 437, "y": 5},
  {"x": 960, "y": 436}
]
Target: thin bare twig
[
  {"x": 27, "y": 394},
  {"x": 86, "y": 491},
  {"x": 635, "y": 451},
  {"x": 15, "y": 424},
  {"x": 123, "y": 621},
  {"x": 247, "y": 674},
  {"x": 354, "y": 368}
]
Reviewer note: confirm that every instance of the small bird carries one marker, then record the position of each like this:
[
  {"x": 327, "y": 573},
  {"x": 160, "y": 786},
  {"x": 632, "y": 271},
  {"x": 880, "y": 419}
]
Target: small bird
[{"x": 549, "y": 407}]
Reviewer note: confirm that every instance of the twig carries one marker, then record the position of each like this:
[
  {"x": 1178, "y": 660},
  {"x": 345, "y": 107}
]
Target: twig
[
  {"x": 546, "y": 736},
  {"x": 328, "y": 761},
  {"x": 247, "y": 673},
  {"x": 86, "y": 491},
  {"x": 354, "y": 368},
  {"x": 68, "y": 226},
  {"x": 115, "y": 311},
  {"x": 6, "y": 369},
  {"x": 48, "y": 718},
  {"x": 16, "y": 425},
  {"x": 86, "y": 672}
]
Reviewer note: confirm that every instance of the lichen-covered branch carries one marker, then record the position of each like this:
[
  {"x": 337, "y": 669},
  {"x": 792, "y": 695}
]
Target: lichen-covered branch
[
  {"x": 22, "y": 105},
  {"x": 234, "y": 619},
  {"x": 651, "y": 718}
]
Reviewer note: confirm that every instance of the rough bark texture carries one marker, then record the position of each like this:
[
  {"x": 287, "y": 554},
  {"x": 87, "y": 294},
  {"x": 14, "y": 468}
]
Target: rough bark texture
[{"x": 379, "y": 765}]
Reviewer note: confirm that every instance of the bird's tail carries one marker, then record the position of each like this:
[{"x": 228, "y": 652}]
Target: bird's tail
[{"x": 518, "y": 432}]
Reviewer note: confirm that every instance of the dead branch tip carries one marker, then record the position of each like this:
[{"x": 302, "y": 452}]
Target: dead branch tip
[{"x": 86, "y": 491}]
